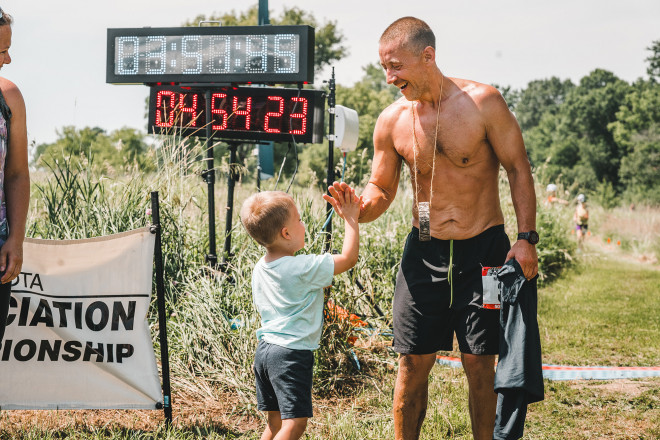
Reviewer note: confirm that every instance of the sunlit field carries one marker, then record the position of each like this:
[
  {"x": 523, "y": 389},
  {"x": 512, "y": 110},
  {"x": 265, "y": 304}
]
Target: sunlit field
[{"x": 589, "y": 314}]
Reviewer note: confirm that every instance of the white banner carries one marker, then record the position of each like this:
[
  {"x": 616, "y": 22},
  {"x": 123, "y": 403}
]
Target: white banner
[{"x": 77, "y": 335}]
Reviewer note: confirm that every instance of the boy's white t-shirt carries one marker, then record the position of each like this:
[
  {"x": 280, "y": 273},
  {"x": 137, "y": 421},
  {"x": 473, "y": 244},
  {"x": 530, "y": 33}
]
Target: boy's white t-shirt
[{"x": 288, "y": 294}]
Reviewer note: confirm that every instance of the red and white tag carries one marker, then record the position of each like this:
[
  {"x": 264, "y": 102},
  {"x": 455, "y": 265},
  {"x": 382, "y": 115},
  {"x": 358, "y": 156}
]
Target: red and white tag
[{"x": 492, "y": 287}]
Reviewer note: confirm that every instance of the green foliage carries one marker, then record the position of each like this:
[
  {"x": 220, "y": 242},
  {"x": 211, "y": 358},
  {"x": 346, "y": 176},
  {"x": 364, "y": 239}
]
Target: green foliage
[
  {"x": 605, "y": 195},
  {"x": 133, "y": 149},
  {"x": 592, "y": 135},
  {"x": 541, "y": 97},
  {"x": 640, "y": 169},
  {"x": 557, "y": 251},
  {"x": 639, "y": 111},
  {"x": 213, "y": 321},
  {"x": 654, "y": 60},
  {"x": 76, "y": 203},
  {"x": 122, "y": 150},
  {"x": 329, "y": 47},
  {"x": 212, "y": 330},
  {"x": 589, "y": 109},
  {"x": 368, "y": 97}
]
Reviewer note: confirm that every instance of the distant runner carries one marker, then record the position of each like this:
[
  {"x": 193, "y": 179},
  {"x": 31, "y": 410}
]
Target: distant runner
[
  {"x": 581, "y": 218},
  {"x": 551, "y": 191}
]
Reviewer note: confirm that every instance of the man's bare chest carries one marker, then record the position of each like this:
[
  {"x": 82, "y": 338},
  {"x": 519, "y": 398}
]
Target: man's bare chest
[{"x": 457, "y": 139}]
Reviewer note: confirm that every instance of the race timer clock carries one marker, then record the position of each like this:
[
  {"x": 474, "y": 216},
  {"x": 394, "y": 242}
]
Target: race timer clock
[
  {"x": 239, "y": 113},
  {"x": 218, "y": 54}
]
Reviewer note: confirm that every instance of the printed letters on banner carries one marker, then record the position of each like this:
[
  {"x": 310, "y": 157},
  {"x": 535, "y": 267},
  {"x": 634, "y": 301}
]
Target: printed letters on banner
[{"x": 77, "y": 334}]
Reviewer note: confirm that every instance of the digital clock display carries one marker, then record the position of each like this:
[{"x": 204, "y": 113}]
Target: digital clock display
[
  {"x": 219, "y": 54},
  {"x": 239, "y": 113}
]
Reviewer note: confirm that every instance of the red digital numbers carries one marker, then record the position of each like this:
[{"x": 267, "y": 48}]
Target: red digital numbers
[
  {"x": 259, "y": 113},
  {"x": 277, "y": 114},
  {"x": 169, "y": 108},
  {"x": 165, "y": 112},
  {"x": 247, "y": 110},
  {"x": 192, "y": 110},
  {"x": 219, "y": 111},
  {"x": 302, "y": 115}
]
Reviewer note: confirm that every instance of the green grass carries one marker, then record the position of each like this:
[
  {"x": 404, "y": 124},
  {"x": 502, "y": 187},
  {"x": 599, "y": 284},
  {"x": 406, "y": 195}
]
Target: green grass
[
  {"x": 597, "y": 313},
  {"x": 603, "y": 312}
]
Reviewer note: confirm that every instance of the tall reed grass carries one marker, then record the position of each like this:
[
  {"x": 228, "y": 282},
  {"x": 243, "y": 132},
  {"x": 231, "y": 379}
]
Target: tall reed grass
[{"x": 637, "y": 228}]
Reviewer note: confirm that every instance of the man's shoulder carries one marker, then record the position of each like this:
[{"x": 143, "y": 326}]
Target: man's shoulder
[
  {"x": 485, "y": 98},
  {"x": 389, "y": 118},
  {"x": 395, "y": 110},
  {"x": 480, "y": 93}
]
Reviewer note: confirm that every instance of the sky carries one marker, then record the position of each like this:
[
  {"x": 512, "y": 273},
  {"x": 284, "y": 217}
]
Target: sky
[{"x": 59, "y": 48}]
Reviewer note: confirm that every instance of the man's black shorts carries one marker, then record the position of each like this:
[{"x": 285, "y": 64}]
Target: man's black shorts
[
  {"x": 284, "y": 380},
  {"x": 424, "y": 322}
]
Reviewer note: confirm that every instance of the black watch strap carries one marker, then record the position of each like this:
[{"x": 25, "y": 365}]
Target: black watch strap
[{"x": 532, "y": 236}]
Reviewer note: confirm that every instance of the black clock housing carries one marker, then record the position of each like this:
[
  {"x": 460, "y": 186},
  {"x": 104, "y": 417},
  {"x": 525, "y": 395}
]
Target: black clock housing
[
  {"x": 217, "y": 54},
  {"x": 239, "y": 113}
]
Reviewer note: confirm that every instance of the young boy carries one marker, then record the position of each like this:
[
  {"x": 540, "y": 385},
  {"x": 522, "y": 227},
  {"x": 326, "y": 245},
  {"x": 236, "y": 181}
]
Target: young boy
[{"x": 288, "y": 293}]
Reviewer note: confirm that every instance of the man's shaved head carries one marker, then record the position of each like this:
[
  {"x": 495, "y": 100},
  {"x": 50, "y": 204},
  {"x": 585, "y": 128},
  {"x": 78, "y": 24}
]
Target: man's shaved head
[{"x": 410, "y": 32}]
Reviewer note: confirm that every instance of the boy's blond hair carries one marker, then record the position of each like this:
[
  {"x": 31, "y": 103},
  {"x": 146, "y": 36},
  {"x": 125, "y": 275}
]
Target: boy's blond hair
[{"x": 265, "y": 213}]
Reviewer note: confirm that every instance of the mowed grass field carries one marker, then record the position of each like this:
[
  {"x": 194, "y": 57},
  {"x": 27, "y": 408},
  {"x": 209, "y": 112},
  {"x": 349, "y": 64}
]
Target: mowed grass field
[{"x": 604, "y": 311}]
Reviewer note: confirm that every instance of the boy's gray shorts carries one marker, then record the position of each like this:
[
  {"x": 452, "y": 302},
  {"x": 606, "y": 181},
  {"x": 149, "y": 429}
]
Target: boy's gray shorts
[{"x": 284, "y": 380}]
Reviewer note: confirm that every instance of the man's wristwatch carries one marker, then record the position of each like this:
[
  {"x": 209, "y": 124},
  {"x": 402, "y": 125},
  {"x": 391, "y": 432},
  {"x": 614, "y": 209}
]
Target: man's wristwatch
[{"x": 532, "y": 236}]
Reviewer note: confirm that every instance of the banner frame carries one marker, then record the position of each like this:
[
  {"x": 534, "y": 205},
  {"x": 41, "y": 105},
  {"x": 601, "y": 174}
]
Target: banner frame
[{"x": 160, "y": 299}]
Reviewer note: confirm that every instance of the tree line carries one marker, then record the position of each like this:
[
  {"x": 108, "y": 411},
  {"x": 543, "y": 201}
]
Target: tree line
[{"x": 600, "y": 136}]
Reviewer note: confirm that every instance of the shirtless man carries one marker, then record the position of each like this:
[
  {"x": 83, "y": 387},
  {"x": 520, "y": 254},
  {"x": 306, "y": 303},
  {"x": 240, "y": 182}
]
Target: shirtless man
[{"x": 453, "y": 134}]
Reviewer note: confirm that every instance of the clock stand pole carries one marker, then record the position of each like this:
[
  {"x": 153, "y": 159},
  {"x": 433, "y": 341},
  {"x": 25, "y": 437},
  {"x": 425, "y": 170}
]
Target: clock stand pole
[
  {"x": 209, "y": 177},
  {"x": 331, "y": 162},
  {"x": 232, "y": 178}
]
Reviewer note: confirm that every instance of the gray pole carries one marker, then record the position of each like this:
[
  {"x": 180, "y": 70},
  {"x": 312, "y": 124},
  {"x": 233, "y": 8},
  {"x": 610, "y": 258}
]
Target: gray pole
[
  {"x": 263, "y": 12},
  {"x": 331, "y": 160},
  {"x": 209, "y": 176}
]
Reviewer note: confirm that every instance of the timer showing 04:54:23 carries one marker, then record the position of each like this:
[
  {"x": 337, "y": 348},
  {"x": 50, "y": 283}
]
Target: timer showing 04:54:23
[{"x": 239, "y": 113}]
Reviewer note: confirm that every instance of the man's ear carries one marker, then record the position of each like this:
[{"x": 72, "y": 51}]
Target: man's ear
[{"x": 429, "y": 54}]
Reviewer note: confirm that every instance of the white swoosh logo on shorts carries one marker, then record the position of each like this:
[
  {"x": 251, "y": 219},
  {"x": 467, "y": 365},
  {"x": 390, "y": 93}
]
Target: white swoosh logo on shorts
[{"x": 435, "y": 279}]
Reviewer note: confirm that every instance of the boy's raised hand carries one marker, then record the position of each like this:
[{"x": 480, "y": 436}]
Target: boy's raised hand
[
  {"x": 344, "y": 201},
  {"x": 347, "y": 205}
]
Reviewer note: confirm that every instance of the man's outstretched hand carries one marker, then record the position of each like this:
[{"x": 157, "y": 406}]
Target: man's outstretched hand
[{"x": 343, "y": 199}]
